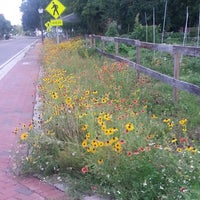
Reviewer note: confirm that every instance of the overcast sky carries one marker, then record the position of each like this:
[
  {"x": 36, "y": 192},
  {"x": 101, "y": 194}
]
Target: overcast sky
[{"x": 10, "y": 10}]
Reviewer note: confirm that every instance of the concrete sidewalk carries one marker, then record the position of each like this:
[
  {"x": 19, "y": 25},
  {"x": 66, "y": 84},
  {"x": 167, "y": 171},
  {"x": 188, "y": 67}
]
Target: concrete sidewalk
[{"x": 17, "y": 89}]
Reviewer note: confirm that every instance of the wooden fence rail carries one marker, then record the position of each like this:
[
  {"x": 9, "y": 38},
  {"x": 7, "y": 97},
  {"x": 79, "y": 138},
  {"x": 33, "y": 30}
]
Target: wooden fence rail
[{"x": 175, "y": 50}]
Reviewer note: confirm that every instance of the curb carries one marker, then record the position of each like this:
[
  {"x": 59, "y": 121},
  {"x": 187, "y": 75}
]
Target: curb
[{"x": 9, "y": 64}]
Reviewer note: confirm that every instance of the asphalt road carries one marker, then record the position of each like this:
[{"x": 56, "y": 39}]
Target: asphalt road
[
  {"x": 13, "y": 50},
  {"x": 10, "y": 48}
]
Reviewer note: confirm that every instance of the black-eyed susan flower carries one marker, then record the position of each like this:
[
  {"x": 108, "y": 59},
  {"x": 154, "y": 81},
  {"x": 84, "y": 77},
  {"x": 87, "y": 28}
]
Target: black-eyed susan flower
[
  {"x": 106, "y": 131},
  {"x": 117, "y": 145},
  {"x": 153, "y": 116},
  {"x": 93, "y": 150},
  {"x": 101, "y": 144},
  {"x": 114, "y": 139},
  {"x": 184, "y": 129},
  {"x": 116, "y": 148},
  {"x": 179, "y": 150},
  {"x": 87, "y": 136},
  {"x": 183, "y": 121},
  {"x": 84, "y": 144},
  {"x": 194, "y": 150},
  {"x": 109, "y": 131},
  {"x": 100, "y": 120},
  {"x": 129, "y": 127},
  {"x": 24, "y": 136},
  {"x": 94, "y": 92},
  {"x": 107, "y": 117},
  {"x": 100, "y": 161},
  {"x": 94, "y": 143},
  {"x": 68, "y": 100},
  {"x": 103, "y": 128},
  {"x": 54, "y": 95},
  {"x": 107, "y": 143},
  {"x": 174, "y": 140},
  {"x": 167, "y": 149},
  {"x": 115, "y": 129},
  {"x": 104, "y": 100},
  {"x": 189, "y": 148},
  {"x": 89, "y": 149},
  {"x": 84, "y": 127},
  {"x": 87, "y": 92},
  {"x": 170, "y": 125},
  {"x": 150, "y": 136},
  {"x": 167, "y": 120}
]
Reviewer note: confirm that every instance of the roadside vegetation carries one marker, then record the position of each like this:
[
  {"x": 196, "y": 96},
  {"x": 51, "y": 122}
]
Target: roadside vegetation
[
  {"x": 5, "y": 27},
  {"x": 104, "y": 131}
]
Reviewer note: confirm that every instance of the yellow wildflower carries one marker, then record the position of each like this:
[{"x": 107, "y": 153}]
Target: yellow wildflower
[
  {"x": 129, "y": 127},
  {"x": 100, "y": 161},
  {"x": 100, "y": 144},
  {"x": 174, "y": 140},
  {"x": 94, "y": 143},
  {"x": 107, "y": 116},
  {"x": 24, "y": 136},
  {"x": 84, "y": 127},
  {"x": 94, "y": 92},
  {"x": 182, "y": 122},
  {"x": 179, "y": 150},
  {"x": 167, "y": 120},
  {"x": 87, "y": 136},
  {"x": 54, "y": 95},
  {"x": 194, "y": 150},
  {"x": 84, "y": 143},
  {"x": 154, "y": 116}
]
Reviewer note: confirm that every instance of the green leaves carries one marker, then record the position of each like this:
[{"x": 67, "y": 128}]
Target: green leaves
[{"x": 5, "y": 26}]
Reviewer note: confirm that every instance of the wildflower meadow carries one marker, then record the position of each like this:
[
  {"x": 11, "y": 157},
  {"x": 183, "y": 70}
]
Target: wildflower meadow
[{"x": 109, "y": 132}]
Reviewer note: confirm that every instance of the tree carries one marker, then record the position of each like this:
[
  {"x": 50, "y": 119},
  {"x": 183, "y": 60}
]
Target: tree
[
  {"x": 96, "y": 15},
  {"x": 5, "y": 26},
  {"x": 177, "y": 13},
  {"x": 30, "y": 16}
]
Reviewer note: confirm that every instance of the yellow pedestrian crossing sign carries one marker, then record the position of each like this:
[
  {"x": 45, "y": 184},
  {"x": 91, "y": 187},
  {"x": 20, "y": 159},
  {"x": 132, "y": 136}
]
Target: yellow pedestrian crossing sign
[
  {"x": 55, "y": 8},
  {"x": 48, "y": 26}
]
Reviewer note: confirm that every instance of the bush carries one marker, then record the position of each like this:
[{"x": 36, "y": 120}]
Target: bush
[
  {"x": 112, "y": 30},
  {"x": 140, "y": 32}
]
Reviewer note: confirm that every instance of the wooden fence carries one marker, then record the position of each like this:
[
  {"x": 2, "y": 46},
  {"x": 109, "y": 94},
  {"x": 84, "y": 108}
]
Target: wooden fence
[{"x": 175, "y": 50}]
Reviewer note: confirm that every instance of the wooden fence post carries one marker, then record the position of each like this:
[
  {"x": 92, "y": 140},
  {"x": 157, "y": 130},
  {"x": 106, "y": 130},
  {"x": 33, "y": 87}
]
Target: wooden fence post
[
  {"x": 137, "y": 44},
  {"x": 176, "y": 72},
  {"x": 103, "y": 45},
  {"x": 116, "y": 48},
  {"x": 94, "y": 42},
  {"x": 90, "y": 40}
]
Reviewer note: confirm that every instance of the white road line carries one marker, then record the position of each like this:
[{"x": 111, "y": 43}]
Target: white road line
[{"x": 9, "y": 64}]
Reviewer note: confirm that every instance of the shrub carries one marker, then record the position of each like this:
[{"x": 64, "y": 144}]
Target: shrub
[
  {"x": 140, "y": 32},
  {"x": 112, "y": 30}
]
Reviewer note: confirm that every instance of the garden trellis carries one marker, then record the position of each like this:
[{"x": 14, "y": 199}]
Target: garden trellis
[
  {"x": 198, "y": 32},
  {"x": 164, "y": 21}
]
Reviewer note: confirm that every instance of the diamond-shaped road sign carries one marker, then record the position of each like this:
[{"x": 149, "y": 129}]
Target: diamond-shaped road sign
[{"x": 55, "y": 8}]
